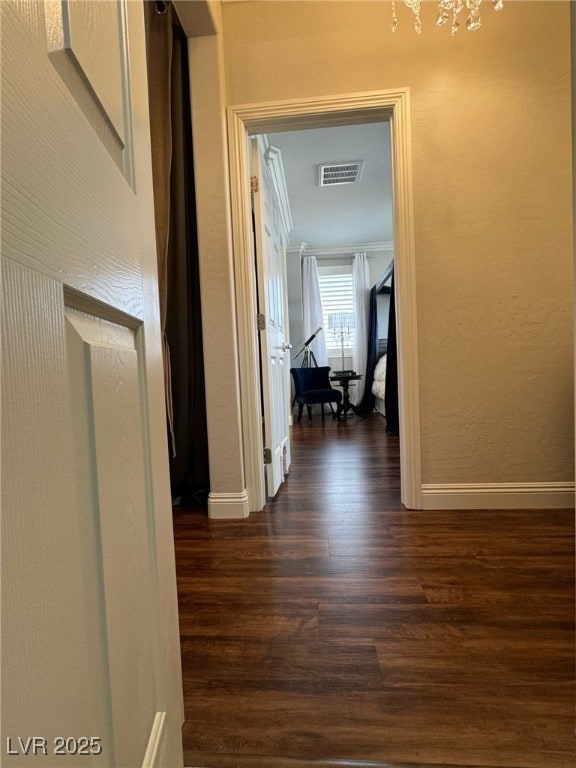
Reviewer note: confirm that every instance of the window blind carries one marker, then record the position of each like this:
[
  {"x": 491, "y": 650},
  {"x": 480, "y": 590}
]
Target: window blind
[{"x": 337, "y": 296}]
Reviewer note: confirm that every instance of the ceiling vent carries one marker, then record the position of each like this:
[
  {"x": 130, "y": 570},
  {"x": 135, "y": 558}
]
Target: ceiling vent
[{"x": 341, "y": 173}]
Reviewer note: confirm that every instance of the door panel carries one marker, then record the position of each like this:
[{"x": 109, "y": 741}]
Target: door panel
[
  {"x": 90, "y": 642},
  {"x": 273, "y": 351},
  {"x": 93, "y": 37},
  {"x": 49, "y": 626},
  {"x": 106, "y": 381},
  {"x": 85, "y": 229},
  {"x": 87, "y": 45}
]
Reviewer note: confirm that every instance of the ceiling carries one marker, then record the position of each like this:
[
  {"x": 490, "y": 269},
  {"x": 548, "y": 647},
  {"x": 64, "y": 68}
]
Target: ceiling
[{"x": 343, "y": 214}]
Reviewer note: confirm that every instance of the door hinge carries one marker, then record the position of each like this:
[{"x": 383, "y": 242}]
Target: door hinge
[
  {"x": 267, "y": 456},
  {"x": 261, "y": 321},
  {"x": 254, "y": 184}
]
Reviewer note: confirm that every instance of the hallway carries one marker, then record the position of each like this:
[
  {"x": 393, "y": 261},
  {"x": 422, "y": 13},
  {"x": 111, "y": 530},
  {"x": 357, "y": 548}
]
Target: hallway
[{"x": 336, "y": 625}]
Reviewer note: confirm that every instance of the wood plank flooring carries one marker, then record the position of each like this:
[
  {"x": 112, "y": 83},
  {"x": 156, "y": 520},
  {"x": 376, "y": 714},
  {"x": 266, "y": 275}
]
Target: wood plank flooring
[{"x": 336, "y": 628}]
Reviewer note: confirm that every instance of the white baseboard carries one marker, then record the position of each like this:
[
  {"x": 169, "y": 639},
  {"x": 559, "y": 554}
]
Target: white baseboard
[
  {"x": 228, "y": 506},
  {"x": 498, "y": 495}
]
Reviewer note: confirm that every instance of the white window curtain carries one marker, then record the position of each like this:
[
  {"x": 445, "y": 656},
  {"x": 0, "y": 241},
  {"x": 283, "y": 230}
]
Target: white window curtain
[
  {"x": 361, "y": 283},
  {"x": 312, "y": 309}
]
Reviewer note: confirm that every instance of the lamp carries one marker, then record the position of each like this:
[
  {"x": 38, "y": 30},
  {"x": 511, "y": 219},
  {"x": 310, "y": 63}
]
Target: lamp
[
  {"x": 342, "y": 324},
  {"x": 447, "y": 8}
]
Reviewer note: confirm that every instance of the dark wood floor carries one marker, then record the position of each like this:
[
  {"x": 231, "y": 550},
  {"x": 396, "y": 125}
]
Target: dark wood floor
[{"x": 337, "y": 625}]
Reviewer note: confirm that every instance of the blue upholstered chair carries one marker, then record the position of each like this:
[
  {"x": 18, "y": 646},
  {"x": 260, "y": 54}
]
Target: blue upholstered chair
[{"x": 312, "y": 385}]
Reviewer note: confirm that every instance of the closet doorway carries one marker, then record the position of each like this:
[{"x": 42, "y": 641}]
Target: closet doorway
[{"x": 177, "y": 248}]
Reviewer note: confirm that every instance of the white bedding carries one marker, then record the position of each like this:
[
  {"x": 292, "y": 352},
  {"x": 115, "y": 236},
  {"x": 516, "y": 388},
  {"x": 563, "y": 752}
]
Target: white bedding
[{"x": 379, "y": 384}]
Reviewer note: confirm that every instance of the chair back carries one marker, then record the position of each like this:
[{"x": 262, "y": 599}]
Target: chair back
[{"x": 306, "y": 379}]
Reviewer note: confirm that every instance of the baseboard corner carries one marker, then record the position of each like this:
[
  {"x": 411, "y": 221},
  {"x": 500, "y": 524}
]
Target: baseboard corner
[{"x": 228, "y": 506}]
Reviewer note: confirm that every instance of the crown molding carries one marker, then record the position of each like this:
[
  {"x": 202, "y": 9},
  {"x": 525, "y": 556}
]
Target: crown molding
[
  {"x": 336, "y": 251},
  {"x": 299, "y": 249}
]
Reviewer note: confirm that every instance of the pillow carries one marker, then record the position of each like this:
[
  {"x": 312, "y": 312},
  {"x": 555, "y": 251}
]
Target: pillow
[{"x": 380, "y": 370}]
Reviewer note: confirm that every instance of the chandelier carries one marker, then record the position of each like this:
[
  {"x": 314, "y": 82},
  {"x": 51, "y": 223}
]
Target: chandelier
[{"x": 448, "y": 10}]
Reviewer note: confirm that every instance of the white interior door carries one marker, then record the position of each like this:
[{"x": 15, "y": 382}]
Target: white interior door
[
  {"x": 271, "y": 302},
  {"x": 90, "y": 646}
]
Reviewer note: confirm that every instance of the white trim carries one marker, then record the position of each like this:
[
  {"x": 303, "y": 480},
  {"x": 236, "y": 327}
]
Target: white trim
[
  {"x": 155, "y": 742},
  {"x": 349, "y": 249},
  {"x": 273, "y": 157},
  {"x": 228, "y": 506},
  {"x": 297, "y": 249},
  {"x": 347, "y": 109},
  {"x": 246, "y": 311},
  {"x": 498, "y": 495}
]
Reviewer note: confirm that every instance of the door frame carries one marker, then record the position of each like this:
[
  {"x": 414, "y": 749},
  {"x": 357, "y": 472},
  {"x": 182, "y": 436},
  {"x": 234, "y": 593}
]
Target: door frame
[{"x": 346, "y": 109}]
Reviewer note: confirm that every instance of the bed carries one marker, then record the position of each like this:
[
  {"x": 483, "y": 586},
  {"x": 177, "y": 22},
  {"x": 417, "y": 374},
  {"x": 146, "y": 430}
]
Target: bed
[{"x": 378, "y": 386}]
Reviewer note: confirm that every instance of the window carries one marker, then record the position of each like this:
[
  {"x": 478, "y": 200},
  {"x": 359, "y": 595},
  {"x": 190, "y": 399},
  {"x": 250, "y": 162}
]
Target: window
[{"x": 337, "y": 295}]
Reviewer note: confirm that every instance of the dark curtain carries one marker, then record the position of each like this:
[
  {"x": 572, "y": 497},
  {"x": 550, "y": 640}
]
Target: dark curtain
[
  {"x": 366, "y": 405},
  {"x": 175, "y": 206},
  {"x": 391, "y": 392}
]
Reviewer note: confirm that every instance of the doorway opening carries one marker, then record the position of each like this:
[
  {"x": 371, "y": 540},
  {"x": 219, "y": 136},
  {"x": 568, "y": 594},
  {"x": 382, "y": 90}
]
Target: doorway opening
[
  {"x": 354, "y": 109},
  {"x": 323, "y": 220}
]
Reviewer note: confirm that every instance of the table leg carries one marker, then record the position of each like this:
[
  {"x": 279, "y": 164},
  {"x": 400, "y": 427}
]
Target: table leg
[{"x": 346, "y": 404}]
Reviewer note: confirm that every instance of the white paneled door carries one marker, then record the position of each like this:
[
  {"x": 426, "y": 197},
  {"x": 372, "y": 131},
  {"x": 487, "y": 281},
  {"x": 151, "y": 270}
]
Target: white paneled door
[
  {"x": 90, "y": 647},
  {"x": 274, "y": 355}
]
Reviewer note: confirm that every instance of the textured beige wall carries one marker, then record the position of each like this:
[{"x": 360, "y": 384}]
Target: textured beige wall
[
  {"x": 227, "y": 477},
  {"x": 493, "y": 208}
]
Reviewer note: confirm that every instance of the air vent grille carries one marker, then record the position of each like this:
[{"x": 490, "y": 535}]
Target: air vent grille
[{"x": 340, "y": 173}]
